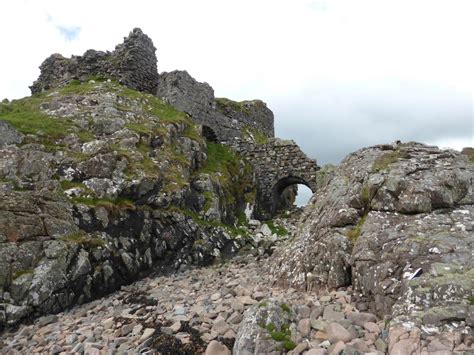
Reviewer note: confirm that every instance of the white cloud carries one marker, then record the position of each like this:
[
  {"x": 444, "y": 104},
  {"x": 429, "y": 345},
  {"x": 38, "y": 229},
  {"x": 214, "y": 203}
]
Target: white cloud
[{"x": 327, "y": 68}]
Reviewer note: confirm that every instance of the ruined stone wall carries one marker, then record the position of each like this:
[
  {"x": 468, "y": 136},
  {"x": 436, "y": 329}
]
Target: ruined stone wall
[
  {"x": 228, "y": 119},
  {"x": 253, "y": 114},
  {"x": 132, "y": 63},
  {"x": 182, "y": 91}
]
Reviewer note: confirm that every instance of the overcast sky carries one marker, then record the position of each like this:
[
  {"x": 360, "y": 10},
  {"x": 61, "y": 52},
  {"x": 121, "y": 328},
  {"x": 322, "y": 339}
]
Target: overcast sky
[{"x": 338, "y": 74}]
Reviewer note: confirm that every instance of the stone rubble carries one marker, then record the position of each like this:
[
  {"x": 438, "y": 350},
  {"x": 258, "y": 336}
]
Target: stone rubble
[
  {"x": 200, "y": 310},
  {"x": 212, "y": 311},
  {"x": 212, "y": 302}
]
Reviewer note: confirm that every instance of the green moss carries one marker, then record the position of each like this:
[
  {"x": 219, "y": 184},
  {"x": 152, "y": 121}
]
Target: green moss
[
  {"x": 285, "y": 308},
  {"x": 283, "y": 335},
  {"x": 278, "y": 230},
  {"x": 289, "y": 345},
  {"x": 222, "y": 104},
  {"x": 384, "y": 161},
  {"x": 470, "y": 153},
  {"x": 112, "y": 205},
  {"x": 19, "y": 273},
  {"x": 191, "y": 131},
  {"x": 157, "y": 107},
  {"x": 75, "y": 87},
  {"x": 278, "y": 336},
  {"x": 263, "y": 304},
  {"x": 27, "y": 118},
  {"x": 139, "y": 128},
  {"x": 83, "y": 239},
  {"x": 66, "y": 185},
  {"x": 254, "y": 134},
  {"x": 365, "y": 194},
  {"x": 209, "y": 198},
  {"x": 241, "y": 219},
  {"x": 219, "y": 159},
  {"x": 234, "y": 175},
  {"x": 14, "y": 182},
  {"x": 471, "y": 300},
  {"x": 354, "y": 233}
]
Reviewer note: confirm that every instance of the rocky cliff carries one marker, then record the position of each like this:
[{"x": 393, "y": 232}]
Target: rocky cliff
[{"x": 100, "y": 183}]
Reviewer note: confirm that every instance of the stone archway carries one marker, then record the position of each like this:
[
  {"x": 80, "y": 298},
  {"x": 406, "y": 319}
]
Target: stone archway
[{"x": 279, "y": 164}]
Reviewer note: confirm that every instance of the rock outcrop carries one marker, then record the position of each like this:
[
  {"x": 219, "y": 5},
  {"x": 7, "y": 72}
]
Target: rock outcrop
[
  {"x": 396, "y": 223},
  {"x": 107, "y": 184}
]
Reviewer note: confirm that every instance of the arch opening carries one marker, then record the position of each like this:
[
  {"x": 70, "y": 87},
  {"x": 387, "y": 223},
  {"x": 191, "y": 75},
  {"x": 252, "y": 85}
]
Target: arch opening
[
  {"x": 303, "y": 196},
  {"x": 290, "y": 192},
  {"x": 209, "y": 134}
]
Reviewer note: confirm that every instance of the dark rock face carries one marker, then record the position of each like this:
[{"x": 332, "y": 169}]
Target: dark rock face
[
  {"x": 396, "y": 222},
  {"x": 133, "y": 63}
]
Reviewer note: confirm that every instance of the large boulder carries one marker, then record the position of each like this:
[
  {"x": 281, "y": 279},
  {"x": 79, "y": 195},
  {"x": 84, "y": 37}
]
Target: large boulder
[
  {"x": 9, "y": 135},
  {"x": 396, "y": 223},
  {"x": 264, "y": 329}
]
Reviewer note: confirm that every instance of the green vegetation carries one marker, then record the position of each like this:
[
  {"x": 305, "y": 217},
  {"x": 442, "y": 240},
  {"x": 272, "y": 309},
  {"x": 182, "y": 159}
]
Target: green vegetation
[
  {"x": 66, "y": 185},
  {"x": 112, "y": 205},
  {"x": 278, "y": 230},
  {"x": 223, "y": 103},
  {"x": 209, "y": 197},
  {"x": 263, "y": 304},
  {"x": 470, "y": 153},
  {"x": 191, "y": 131},
  {"x": 285, "y": 308},
  {"x": 365, "y": 194},
  {"x": 354, "y": 233},
  {"x": 27, "y": 118},
  {"x": 220, "y": 158},
  {"x": 253, "y": 133},
  {"x": 283, "y": 335},
  {"x": 140, "y": 128},
  {"x": 75, "y": 87},
  {"x": 156, "y": 106},
  {"x": 232, "y": 230},
  {"x": 384, "y": 161},
  {"x": 14, "y": 182},
  {"x": 19, "y": 273},
  {"x": 233, "y": 174},
  {"x": 83, "y": 239},
  {"x": 471, "y": 300}
]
